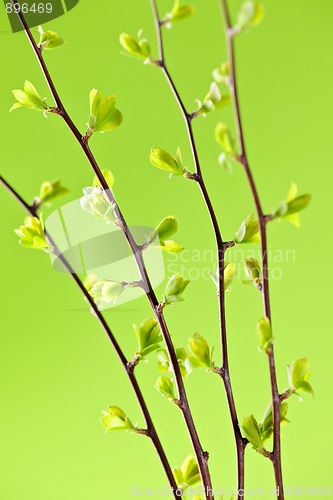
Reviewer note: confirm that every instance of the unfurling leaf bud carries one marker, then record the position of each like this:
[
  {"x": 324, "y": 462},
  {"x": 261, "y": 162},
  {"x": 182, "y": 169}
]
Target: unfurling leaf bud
[
  {"x": 108, "y": 176},
  {"x": 230, "y": 271},
  {"x": 51, "y": 190},
  {"x": 32, "y": 233},
  {"x": 49, "y": 39},
  {"x": 180, "y": 12},
  {"x": 165, "y": 386},
  {"x": 135, "y": 47},
  {"x": 264, "y": 332},
  {"x": 166, "y": 228},
  {"x": 201, "y": 353},
  {"x": 250, "y": 15},
  {"x": 149, "y": 337},
  {"x": 96, "y": 202},
  {"x": 106, "y": 291},
  {"x": 29, "y": 98},
  {"x": 248, "y": 231},
  {"x": 222, "y": 74},
  {"x": 104, "y": 116},
  {"x": 188, "y": 474},
  {"x": 289, "y": 209},
  {"x": 163, "y": 160},
  {"x": 164, "y": 362},
  {"x": 266, "y": 425},
  {"x": 174, "y": 288},
  {"x": 224, "y": 139},
  {"x": 299, "y": 374},
  {"x": 253, "y": 271},
  {"x": 114, "y": 419},
  {"x": 252, "y": 432}
]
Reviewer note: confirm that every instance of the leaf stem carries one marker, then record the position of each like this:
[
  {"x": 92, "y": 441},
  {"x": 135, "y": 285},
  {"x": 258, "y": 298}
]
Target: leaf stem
[
  {"x": 128, "y": 367},
  {"x": 263, "y": 220},
  {"x": 137, "y": 253},
  {"x": 222, "y": 246}
]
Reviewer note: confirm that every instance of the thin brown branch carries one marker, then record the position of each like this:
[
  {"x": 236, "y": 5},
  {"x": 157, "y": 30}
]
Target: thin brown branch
[
  {"x": 154, "y": 303},
  {"x": 230, "y": 34},
  {"x": 221, "y": 245},
  {"x": 151, "y": 429}
]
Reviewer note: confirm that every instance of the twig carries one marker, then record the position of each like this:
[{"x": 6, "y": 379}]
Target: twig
[
  {"x": 154, "y": 303},
  {"x": 222, "y": 246},
  {"x": 150, "y": 431},
  {"x": 263, "y": 220}
]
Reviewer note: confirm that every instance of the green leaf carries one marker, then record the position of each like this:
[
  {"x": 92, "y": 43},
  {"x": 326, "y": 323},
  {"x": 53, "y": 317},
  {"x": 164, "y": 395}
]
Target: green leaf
[
  {"x": 29, "y": 98},
  {"x": 264, "y": 332},
  {"x": 139, "y": 48},
  {"x": 201, "y": 352},
  {"x": 108, "y": 176},
  {"x": 51, "y": 190},
  {"x": 266, "y": 425},
  {"x": 170, "y": 246},
  {"x": 107, "y": 292},
  {"x": 289, "y": 209},
  {"x": 149, "y": 337},
  {"x": 96, "y": 202},
  {"x": 32, "y": 233},
  {"x": 224, "y": 139},
  {"x": 250, "y": 15},
  {"x": 49, "y": 39},
  {"x": 222, "y": 74},
  {"x": 165, "y": 386},
  {"x": 174, "y": 288},
  {"x": 248, "y": 231},
  {"x": 230, "y": 271},
  {"x": 163, "y": 160},
  {"x": 298, "y": 374},
  {"x": 114, "y": 419},
  {"x": 166, "y": 228},
  {"x": 180, "y": 12},
  {"x": 164, "y": 362},
  {"x": 252, "y": 432},
  {"x": 104, "y": 116},
  {"x": 188, "y": 474}
]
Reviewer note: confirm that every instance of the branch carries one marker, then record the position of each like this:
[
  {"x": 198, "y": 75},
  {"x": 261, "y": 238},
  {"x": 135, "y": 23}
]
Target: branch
[
  {"x": 151, "y": 430},
  {"x": 137, "y": 253},
  {"x": 222, "y": 246},
  {"x": 263, "y": 220}
]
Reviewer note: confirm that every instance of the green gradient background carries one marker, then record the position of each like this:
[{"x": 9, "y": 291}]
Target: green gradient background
[{"x": 58, "y": 370}]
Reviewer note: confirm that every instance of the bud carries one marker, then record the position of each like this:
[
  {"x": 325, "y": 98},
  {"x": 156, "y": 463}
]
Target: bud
[
  {"x": 211, "y": 99},
  {"x": 299, "y": 374},
  {"x": 137, "y": 48},
  {"x": 248, "y": 231},
  {"x": 29, "y": 98},
  {"x": 222, "y": 74},
  {"x": 289, "y": 209},
  {"x": 230, "y": 271},
  {"x": 32, "y": 234},
  {"x": 114, "y": 419},
  {"x": 266, "y": 425},
  {"x": 104, "y": 116},
  {"x": 164, "y": 362},
  {"x": 188, "y": 474},
  {"x": 163, "y": 160},
  {"x": 224, "y": 139},
  {"x": 179, "y": 12},
  {"x": 201, "y": 352},
  {"x": 174, "y": 288},
  {"x": 253, "y": 271},
  {"x": 98, "y": 204},
  {"x": 165, "y": 386},
  {"x": 264, "y": 332},
  {"x": 49, "y": 39},
  {"x": 252, "y": 432},
  {"x": 106, "y": 291},
  {"x": 250, "y": 15},
  {"x": 149, "y": 337}
]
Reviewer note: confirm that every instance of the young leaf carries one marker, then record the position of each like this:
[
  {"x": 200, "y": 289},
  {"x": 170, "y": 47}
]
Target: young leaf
[
  {"x": 174, "y": 288},
  {"x": 98, "y": 204},
  {"x": 49, "y": 39},
  {"x": 163, "y": 160},
  {"x": 104, "y": 116},
  {"x": 299, "y": 374},
  {"x": 149, "y": 337},
  {"x": 29, "y": 98},
  {"x": 51, "y": 190},
  {"x": 266, "y": 425},
  {"x": 264, "y": 332},
  {"x": 188, "y": 474},
  {"x": 165, "y": 386},
  {"x": 253, "y": 271},
  {"x": 106, "y": 291},
  {"x": 248, "y": 231},
  {"x": 108, "y": 176},
  {"x": 114, "y": 419},
  {"x": 166, "y": 228},
  {"x": 250, "y": 15},
  {"x": 224, "y": 139},
  {"x": 222, "y": 74},
  {"x": 139, "y": 47},
  {"x": 170, "y": 246},
  {"x": 230, "y": 271},
  {"x": 289, "y": 209},
  {"x": 201, "y": 353},
  {"x": 180, "y": 12},
  {"x": 252, "y": 432},
  {"x": 164, "y": 362},
  {"x": 32, "y": 233}
]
